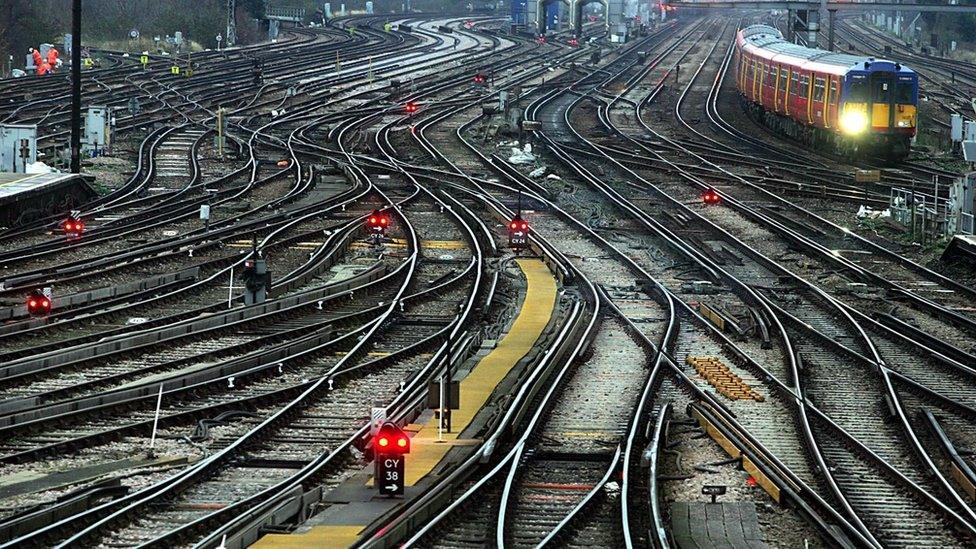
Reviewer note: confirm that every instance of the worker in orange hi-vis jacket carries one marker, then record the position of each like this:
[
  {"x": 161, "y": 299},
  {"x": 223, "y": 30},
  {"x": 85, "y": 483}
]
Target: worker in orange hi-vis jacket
[
  {"x": 52, "y": 58},
  {"x": 36, "y": 55},
  {"x": 43, "y": 69}
]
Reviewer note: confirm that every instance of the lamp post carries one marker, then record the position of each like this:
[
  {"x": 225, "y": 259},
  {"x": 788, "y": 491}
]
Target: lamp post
[{"x": 75, "y": 86}]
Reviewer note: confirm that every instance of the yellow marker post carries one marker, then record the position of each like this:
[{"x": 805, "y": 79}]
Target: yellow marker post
[
  {"x": 175, "y": 69},
  {"x": 144, "y": 59}
]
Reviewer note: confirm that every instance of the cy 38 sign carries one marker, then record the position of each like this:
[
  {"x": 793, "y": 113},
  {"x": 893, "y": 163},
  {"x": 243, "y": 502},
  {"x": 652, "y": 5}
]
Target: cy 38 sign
[{"x": 389, "y": 477}]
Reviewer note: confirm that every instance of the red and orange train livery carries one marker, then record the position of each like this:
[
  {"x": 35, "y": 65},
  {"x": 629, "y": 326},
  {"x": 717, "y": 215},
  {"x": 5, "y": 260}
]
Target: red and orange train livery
[{"x": 835, "y": 101}]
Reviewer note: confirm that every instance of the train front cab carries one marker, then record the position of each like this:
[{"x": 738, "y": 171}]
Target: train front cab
[{"x": 879, "y": 107}]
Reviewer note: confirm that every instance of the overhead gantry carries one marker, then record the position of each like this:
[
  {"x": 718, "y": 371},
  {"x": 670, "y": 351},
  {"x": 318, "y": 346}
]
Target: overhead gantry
[
  {"x": 807, "y": 13},
  {"x": 536, "y": 11}
]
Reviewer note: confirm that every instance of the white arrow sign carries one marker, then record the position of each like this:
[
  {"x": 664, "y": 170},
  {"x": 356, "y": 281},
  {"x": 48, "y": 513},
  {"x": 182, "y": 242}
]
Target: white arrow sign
[{"x": 392, "y": 487}]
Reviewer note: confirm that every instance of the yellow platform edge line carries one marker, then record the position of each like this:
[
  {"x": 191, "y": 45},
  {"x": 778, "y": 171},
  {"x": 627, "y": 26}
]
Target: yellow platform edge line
[
  {"x": 477, "y": 387},
  {"x": 339, "y": 535}
]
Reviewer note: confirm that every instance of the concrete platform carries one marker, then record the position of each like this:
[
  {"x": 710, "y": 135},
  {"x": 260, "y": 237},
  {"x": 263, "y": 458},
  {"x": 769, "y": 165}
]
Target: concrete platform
[
  {"x": 734, "y": 525},
  {"x": 961, "y": 248},
  {"x": 26, "y": 197},
  {"x": 355, "y": 504}
]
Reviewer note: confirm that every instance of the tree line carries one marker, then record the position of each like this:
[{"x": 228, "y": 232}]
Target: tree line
[{"x": 28, "y": 23}]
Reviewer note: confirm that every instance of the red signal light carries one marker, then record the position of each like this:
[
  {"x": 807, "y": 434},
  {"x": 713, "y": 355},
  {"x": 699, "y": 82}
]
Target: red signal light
[
  {"x": 72, "y": 226},
  {"x": 392, "y": 439},
  {"x": 377, "y": 222},
  {"x": 518, "y": 233},
  {"x": 518, "y": 224},
  {"x": 709, "y": 196},
  {"x": 38, "y": 303}
]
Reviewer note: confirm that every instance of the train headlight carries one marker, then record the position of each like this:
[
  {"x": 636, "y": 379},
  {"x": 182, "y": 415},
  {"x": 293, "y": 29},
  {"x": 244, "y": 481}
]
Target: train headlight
[
  {"x": 904, "y": 123},
  {"x": 853, "y": 122}
]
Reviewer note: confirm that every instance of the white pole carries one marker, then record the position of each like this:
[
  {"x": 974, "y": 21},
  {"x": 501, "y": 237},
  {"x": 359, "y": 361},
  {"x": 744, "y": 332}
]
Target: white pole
[
  {"x": 440, "y": 415},
  {"x": 230, "y": 288},
  {"x": 159, "y": 404}
]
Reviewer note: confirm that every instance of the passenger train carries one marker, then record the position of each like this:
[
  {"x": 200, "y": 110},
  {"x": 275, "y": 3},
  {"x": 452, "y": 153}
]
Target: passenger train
[{"x": 836, "y": 101}]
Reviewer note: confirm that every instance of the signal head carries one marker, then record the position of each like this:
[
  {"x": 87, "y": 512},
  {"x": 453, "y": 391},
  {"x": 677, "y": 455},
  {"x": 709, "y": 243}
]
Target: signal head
[
  {"x": 518, "y": 224},
  {"x": 73, "y": 226},
  {"x": 392, "y": 439},
  {"x": 38, "y": 303}
]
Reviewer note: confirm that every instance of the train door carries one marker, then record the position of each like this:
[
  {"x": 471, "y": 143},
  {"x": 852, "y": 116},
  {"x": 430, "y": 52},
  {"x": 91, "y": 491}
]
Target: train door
[
  {"x": 776, "y": 86},
  {"x": 881, "y": 101},
  {"x": 756, "y": 76},
  {"x": 832, "y": 99},
  {"x": 819, "y": 100}
]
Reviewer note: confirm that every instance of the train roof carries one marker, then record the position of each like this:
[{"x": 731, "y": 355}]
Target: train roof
[{"x": 764, "y": 37}]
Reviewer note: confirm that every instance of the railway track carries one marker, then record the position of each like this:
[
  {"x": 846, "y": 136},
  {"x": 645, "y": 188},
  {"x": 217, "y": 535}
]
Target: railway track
[
  {"x": 851, "y": 400},
  {"x": 818, "y": 320}
]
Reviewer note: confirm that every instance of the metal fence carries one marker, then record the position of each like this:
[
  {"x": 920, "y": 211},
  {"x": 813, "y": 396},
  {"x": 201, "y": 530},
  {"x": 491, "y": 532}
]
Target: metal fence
[
  {"x": 285, "y": 13},
  {"x": 926, "y": 215}
]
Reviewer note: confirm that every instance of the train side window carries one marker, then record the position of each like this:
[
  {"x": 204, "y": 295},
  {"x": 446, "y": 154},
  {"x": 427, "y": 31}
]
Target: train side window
[
  {"x": 794, "y": 82},
  {"x": 805, "y": 87},
  {"x": 818, "y": 89},
  {"x": 904, "y": 92},
  {"x": 833, "y": 91}
]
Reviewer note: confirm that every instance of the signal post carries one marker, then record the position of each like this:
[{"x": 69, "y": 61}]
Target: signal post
[{"x": 390, "y": 446}]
